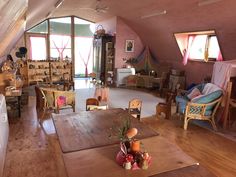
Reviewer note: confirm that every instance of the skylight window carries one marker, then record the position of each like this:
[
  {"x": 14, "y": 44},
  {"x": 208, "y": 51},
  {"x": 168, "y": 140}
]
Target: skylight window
[{"x": 199, "y": 46}]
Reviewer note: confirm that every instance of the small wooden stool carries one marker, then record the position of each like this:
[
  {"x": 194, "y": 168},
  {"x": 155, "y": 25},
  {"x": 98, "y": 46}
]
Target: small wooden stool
[{"x": 162, "y": 108}]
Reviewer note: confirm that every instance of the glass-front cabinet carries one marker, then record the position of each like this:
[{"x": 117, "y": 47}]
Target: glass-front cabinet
[{"x": 104, "y": 57}]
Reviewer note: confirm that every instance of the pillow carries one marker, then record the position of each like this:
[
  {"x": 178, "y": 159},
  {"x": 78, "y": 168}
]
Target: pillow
[
  {"x": 61, "y": 101},
  {"x": 210, "y": 88},
  {"x": 194, "y": 93},
  {"x": 208, "y": 98}
]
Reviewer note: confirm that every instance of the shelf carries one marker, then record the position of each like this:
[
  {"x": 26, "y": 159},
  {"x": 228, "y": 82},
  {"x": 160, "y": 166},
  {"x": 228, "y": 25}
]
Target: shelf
[{"x": 47, "y": 67}]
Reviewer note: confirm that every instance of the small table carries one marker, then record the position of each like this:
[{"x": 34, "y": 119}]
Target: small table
[
  {"x": 15, "y": 93},
  {"x": 102, "y": 92}
]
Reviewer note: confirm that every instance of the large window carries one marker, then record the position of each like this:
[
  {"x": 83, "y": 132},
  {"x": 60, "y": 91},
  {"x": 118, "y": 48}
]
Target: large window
[
  {"x": 199, "y": 46},
  {"x": 60, "y": 38},
  {"x": 58, "y": 44},
  {"x": 38, "y": 47},
  {"x": 83, "y": 47}
]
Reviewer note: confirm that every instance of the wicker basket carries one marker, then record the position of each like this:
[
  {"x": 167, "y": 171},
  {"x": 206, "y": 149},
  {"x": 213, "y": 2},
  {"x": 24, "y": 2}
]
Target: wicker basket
[{"x": 100, "y": 31}]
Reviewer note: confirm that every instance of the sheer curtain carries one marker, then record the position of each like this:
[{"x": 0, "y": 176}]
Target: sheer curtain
[{"x": 187, "y": 51}]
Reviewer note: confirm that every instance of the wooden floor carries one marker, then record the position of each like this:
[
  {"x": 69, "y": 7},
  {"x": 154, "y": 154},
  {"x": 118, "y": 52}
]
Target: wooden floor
[{"x": 33, "y": 152}]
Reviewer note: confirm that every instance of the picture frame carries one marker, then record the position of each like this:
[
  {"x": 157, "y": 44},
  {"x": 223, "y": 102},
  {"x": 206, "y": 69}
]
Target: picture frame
[{"x": 129, "y": 45}]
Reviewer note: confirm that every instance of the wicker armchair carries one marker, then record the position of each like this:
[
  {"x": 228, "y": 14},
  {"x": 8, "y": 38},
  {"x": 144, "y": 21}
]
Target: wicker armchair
[
  {"x": 200, "y": 102},
  {"x": 200, "y": 111}
]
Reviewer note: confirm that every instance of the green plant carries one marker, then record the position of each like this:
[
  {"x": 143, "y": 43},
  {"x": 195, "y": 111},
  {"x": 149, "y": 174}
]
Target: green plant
[
  {"x": 123, "y": 129},
  {"x": 120, "y": 131}
]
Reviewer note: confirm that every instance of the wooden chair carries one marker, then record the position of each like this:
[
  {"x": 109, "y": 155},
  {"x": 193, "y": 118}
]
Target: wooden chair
[
  {"x": 91, "y": 102},
  {"x": 64, "y": 100},
  {"x": 200, "y": 111},
  {"x": 41, "y": 105},
  {"x": 134, "y": 108},
  {"x": 57, "y": 100}
]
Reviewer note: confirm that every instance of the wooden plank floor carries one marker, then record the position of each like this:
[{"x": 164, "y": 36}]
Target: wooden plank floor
[{"x": 33, "y": 152}]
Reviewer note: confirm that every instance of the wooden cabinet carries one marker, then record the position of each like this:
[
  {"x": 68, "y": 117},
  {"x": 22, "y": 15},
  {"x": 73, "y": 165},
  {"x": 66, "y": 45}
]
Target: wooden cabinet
[
  {"x": 38, "y": 71},
  {"x": 104, "y": 57},
  {"x": 109, "y": 63},
  {"x": 58, "y": 69}
]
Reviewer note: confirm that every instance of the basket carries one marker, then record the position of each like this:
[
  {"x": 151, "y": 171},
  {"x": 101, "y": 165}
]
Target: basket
[{"x": 100, "y": 31}]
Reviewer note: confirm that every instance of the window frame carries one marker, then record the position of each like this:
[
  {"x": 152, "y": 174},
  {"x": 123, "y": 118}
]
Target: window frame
[{"x": 182, "y": 42}]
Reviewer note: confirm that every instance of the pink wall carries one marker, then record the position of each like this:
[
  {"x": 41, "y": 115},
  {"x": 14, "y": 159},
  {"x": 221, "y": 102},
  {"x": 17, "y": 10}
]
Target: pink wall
[
  {"x": 118, "y": 27},
  {"x": 195, "y": 71},
  {"x": 124, "y": 32}
]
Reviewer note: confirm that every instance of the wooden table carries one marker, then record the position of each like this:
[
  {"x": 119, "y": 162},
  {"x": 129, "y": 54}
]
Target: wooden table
[
  {"x": 100, "y": 162},
  {"x": 90, "y": 129},
  {"x": 190, "y": 171}
]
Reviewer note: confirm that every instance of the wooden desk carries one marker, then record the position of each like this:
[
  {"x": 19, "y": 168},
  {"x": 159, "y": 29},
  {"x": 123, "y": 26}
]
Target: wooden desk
[
  {"x": 90, "y": 129},
  {"x": 100, "y": 162},
  {"x": 16, "y": 93},
  {"x": 190, "y": 171}
]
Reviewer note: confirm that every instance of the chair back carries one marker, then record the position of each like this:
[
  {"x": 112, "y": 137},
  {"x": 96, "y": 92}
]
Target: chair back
[
  {"x": 135, "y": 106},
  {"x": 91, "y": 101},
  {"x": 40, "y": 103},
  {"x": 40, "y": 99}
]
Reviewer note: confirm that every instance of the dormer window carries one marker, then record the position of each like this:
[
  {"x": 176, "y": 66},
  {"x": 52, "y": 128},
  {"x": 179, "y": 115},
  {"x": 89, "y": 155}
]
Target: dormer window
[{"x": 199, "y": 46}]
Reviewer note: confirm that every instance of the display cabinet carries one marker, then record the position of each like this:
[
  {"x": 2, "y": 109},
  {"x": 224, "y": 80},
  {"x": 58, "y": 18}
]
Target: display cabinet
[
  {"x": 38, "y": 71},
  {"x": 48, "y": 71},
  {"x": 104, "y": 57},
  {"x": 58, "y": 69}
]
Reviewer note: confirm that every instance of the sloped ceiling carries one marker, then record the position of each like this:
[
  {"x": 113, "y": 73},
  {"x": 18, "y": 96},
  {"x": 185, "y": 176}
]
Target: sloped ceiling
[
  {"x": 157, "y": 31},
  {"x": 12, "y": 22}
]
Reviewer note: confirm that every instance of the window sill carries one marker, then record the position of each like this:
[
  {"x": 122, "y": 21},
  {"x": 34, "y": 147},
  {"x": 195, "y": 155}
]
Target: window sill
[{"x": 201, "y": 61}]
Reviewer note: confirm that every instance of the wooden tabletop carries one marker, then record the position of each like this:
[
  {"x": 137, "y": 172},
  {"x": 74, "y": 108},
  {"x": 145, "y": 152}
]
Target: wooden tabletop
[
  {"x": 90, "y": 129},
  {"x": 190, "y": 171},
  {"x": 100, "y": 162}
]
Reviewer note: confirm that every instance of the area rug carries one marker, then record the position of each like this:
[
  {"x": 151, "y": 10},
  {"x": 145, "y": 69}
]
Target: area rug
[{"x": 119, "y": 98}]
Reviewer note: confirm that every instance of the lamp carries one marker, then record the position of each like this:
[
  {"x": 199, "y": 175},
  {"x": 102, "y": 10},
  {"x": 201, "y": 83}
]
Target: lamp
[
  {"x": 207, "y": 2},
  {"x": 154, "y": 14}
]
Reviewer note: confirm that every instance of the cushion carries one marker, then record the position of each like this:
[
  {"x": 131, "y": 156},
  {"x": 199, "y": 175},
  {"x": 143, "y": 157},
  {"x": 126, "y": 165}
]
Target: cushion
[
  {"x": 61, "y": 101},
  {"x": 207, "y": 98},
  {"x": 209, "y": 88},
  {"x": 194, "y": 93}
]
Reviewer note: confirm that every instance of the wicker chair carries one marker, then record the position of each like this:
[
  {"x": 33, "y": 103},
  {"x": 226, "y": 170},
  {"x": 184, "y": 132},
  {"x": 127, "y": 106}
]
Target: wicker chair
[
  {"x": 200, "y": 102},
  {"x": 135, "y": 106},
  {"x": 200, "y": 111}
]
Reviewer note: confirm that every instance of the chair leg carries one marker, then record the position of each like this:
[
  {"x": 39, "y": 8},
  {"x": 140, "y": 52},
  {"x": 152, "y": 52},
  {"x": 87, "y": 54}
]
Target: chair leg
[
  {"x": 186, "y": 122},
  {"x": 213, "y": 123}
]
